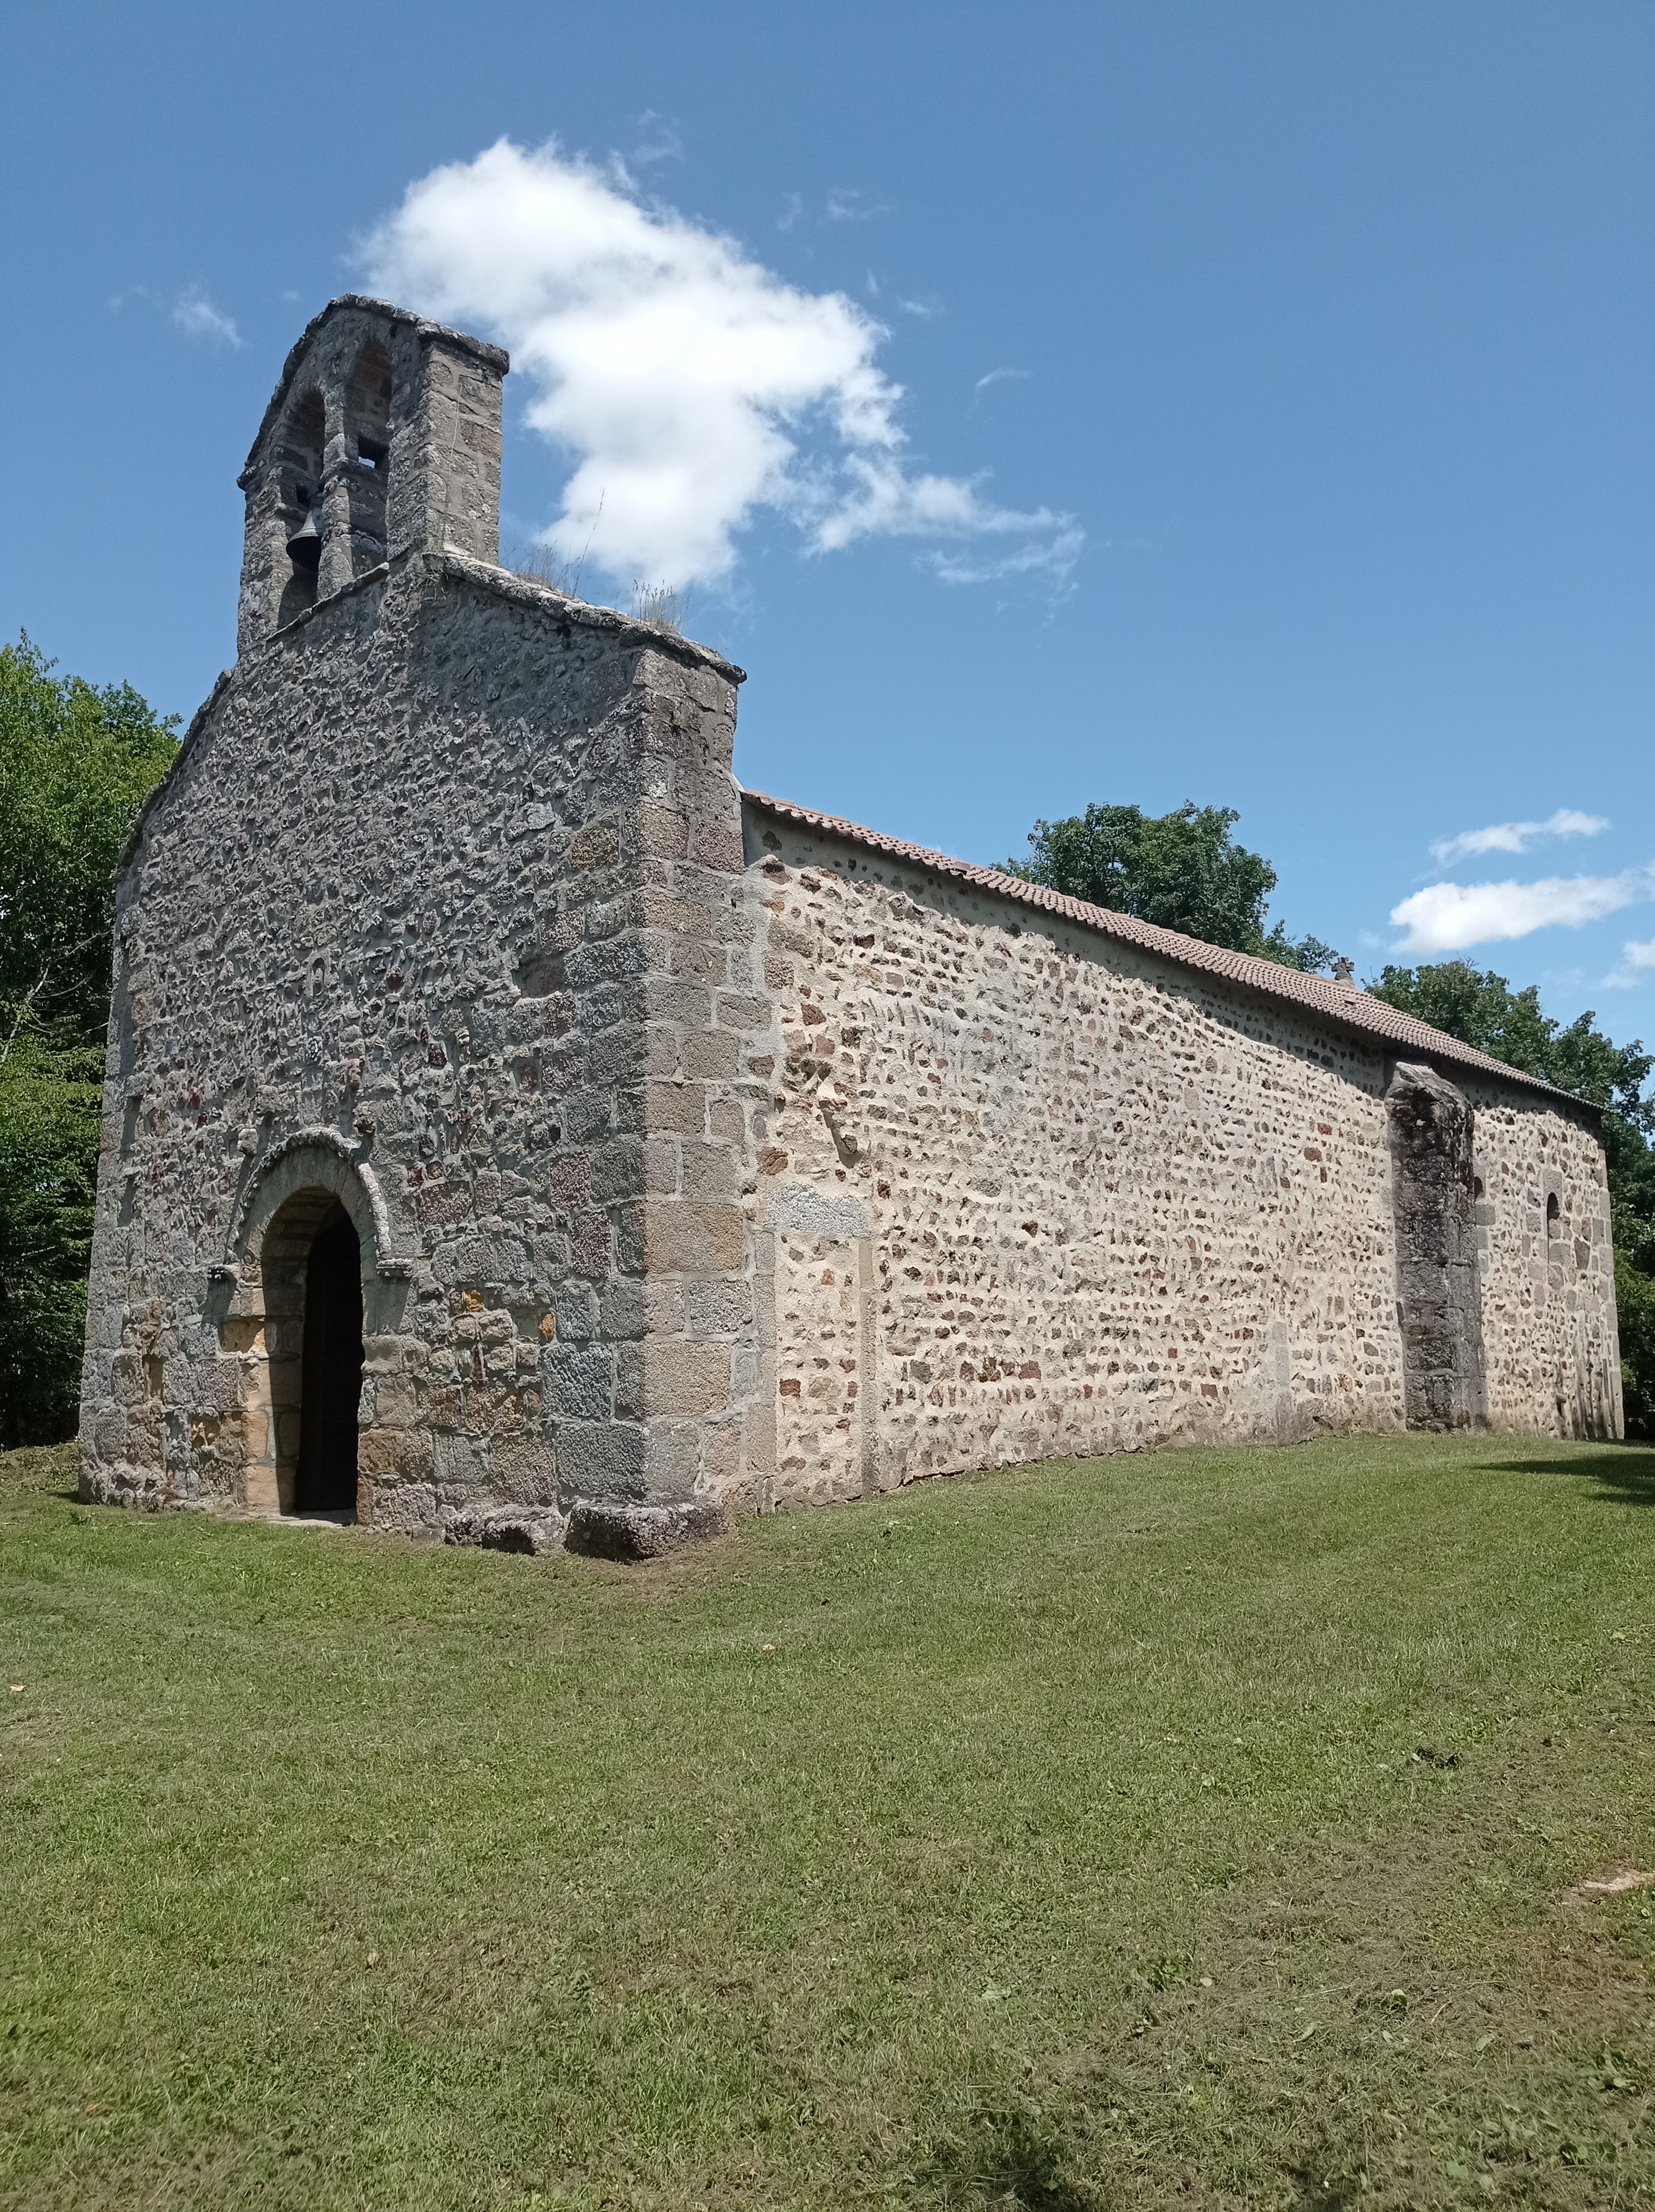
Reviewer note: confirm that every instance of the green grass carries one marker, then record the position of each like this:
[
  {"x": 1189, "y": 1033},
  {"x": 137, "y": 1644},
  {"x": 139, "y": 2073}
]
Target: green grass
[{"x": 1193, "y": 1830}]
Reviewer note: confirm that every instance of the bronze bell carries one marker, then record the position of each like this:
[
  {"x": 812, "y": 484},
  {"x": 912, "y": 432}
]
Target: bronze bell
[{"x": 304, "y": 546}]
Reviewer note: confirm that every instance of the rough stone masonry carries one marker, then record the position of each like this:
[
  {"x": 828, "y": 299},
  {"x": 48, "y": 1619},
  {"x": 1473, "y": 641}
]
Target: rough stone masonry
[{"x": 691, "y": 1153}]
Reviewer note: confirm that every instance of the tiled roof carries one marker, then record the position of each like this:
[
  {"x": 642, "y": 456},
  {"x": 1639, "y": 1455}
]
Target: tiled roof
[{"x": 1338, "y": 1002}]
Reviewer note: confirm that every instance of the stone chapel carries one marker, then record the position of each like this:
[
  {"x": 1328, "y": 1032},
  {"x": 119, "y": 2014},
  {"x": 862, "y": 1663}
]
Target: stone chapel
[{"x": 515, "y": 1131}]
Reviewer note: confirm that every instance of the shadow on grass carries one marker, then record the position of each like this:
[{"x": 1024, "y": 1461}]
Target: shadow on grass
[
  {"x": 1016, "y": 2160},
  {"x": 1626, "y": 1472},
  {"x": 1329, "y": 2180}
]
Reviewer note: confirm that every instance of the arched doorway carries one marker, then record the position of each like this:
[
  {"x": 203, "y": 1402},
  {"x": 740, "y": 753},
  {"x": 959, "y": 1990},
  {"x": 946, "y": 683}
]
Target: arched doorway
[
  {"x": 330, "y": 1369},
  {"x": 311, "y": 1278}
]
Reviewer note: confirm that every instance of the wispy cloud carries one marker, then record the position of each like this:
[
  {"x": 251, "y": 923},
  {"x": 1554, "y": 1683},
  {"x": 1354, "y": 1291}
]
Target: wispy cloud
[
  {"x": 1635, "y": 964},
  {"x": 1517, "y": 836},
  {"x": 1053, "y": 559},
  {"x": 692, "y": 385},
  {"x": 1448, "y": 917},
  {"x": 847, "y": 206},
  {"x": 194, "y": 313},
  {"x": 658, "y": 140},
  {"x": 997, "y": 376},
  {"x": 889, "y": 503}
]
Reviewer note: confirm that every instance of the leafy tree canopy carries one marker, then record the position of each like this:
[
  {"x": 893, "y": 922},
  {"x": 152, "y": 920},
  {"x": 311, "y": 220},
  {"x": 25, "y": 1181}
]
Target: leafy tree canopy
[
  {"x": 1481, "y": 1008},
  {"x": 1181, "y": 871},
  {"x": 76, "y": 762}
]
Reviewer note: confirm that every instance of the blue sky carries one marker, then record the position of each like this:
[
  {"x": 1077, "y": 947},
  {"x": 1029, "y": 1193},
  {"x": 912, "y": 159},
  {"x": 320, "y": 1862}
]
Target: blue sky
[{"x": 1273, "y": 429}]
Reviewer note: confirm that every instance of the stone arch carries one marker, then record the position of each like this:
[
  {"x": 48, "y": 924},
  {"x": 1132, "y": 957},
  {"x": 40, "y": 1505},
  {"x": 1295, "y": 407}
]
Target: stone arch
[{"x": 302, "y": 1187}]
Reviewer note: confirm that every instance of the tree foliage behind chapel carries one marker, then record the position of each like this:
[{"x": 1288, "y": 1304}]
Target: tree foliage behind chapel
[
  {"x": 75, "y": 762},
  {"x": 1180, "y": 870}
]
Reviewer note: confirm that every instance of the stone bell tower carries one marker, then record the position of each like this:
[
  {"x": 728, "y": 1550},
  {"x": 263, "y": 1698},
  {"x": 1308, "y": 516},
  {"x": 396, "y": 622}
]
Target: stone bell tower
[
  {"x": 420, "y": 1198},
  {"x": 382, "y": 436}
]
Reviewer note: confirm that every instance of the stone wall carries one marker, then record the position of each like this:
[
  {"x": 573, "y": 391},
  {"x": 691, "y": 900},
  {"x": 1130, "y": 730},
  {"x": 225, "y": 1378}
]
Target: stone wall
[
  {"x": 1024, "y": 1189},
  {"x": 434, "y": 905},
  {"x": 1551, "y": 1353}
]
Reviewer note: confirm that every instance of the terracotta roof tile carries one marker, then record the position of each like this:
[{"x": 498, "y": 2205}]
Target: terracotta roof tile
[{"x": 1339, "y": 1001}]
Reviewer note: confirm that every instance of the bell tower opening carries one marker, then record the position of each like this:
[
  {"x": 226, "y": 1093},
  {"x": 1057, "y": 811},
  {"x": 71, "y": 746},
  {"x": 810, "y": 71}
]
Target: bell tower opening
[
  {"x": 330, "y": 1371},
  {"x": 367, "y": 432},
  {"x": 301, "y": 492}
]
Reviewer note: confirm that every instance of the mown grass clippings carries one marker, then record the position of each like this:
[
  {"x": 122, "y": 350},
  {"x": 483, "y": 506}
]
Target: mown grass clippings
[{"x": 1207, "y": 1829}]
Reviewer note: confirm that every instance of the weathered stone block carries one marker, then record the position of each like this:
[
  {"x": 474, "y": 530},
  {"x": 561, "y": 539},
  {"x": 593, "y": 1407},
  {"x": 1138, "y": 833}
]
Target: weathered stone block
[
  {"x": 621, "y": 1309},
  {"x": 667, "y": 1377},
  {"x": 600, "y": 1461},
  {"x": 641, "y": 1532},
  {"x": 717, "y": 1308},
  {"x": 680, "y": 1107},
  {"x": 711, "y": 1055},
  {"x": 662, "y": 831},
  {"x": 661, "y": 1166},
  {"x": 710, "y": 1172},
  {"x": 576, "y": 1382},
  {"x": 617, "y": 1169},
  {"x": 679, "y": 1237}
]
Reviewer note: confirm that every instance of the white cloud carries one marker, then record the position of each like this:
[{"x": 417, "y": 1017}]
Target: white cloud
[
  {"x": 693, "y": 386},
  {"x": 194, "y": 313},
  {"x": 1517, "y": 836},
  {"x": 1636, "y": 963},
  {"x": 1447, "y": 917}
]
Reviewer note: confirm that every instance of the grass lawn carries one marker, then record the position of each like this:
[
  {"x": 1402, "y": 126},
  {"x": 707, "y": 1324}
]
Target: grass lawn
[{"x": 1205, "y": 1829}]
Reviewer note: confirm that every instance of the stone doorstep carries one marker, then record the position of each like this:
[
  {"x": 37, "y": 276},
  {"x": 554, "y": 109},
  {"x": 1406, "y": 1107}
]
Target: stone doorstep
[
  {"x": 599, "y": 1529},
  {"x": 593, "y": 1529},
  {"x": 261, "y": 1519}
]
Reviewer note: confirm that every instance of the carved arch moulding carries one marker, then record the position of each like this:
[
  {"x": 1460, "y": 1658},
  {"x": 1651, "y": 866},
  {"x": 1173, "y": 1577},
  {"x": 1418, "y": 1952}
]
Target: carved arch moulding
[{"x": 308, "y": 1160}]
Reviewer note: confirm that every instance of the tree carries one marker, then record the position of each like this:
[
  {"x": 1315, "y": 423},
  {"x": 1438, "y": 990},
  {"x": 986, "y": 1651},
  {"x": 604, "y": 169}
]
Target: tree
[
  {"x": 76, "y": 762},
  {"x": 1181, "y": 871},
  {"x": 1481, "y": 1009}
]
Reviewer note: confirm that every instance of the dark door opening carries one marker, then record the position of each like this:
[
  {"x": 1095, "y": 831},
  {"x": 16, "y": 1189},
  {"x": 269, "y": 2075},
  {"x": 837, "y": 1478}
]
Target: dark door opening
[{"x": 331, "y": 1377}]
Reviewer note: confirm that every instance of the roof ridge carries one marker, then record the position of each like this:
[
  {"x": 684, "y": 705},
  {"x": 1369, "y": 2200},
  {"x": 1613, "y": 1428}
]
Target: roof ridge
[{"x": 1340, "y": 1001}]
